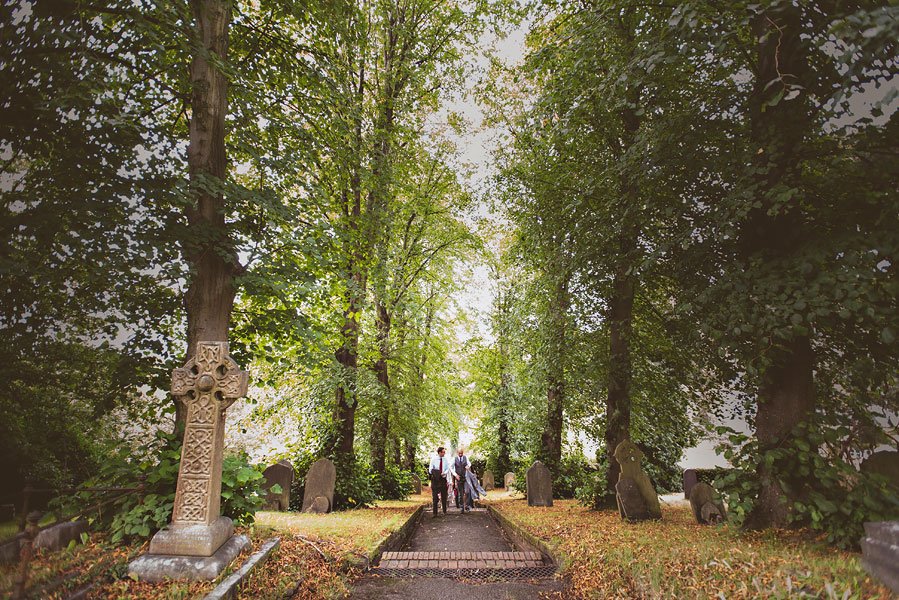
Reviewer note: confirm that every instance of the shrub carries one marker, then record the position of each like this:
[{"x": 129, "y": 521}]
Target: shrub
[
  {"x": 241, "y": 484},
  {"x": 355, "y": 486},
  {"x": 393, "y": 483},
  {"x": 574, "y": 472},
  {"x": 835, "y": 498},
  {"x": 593, "y": 492}
]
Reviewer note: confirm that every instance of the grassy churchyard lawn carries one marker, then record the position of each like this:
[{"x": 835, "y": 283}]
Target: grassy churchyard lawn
[
  {"x": 676, "y": 558},
  {"x": 314, "y": 557},
  {"x": 603, "y": 557}
]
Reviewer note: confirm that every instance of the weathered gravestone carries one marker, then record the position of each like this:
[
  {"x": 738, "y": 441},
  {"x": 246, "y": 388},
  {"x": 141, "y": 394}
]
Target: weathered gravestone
[
  {"x": 690, "y": 479},
  {"x": 508, "y": 480},
  {"x": 320, "y": 483},
  {"x": 487, "y": 482},
  {"x": 199, "y": 542},
  {"x": 416, "y": 483},
  {"x": 629, "y": 457},
  {"x": 880, "y": 552},
  {"x": 631, "y": 504},
  {"x": 281, "y": 474},
  {"x": 706, "y": 510},
  {"x": 539, "y": 483},
  {"x": 886, "y": 463}
]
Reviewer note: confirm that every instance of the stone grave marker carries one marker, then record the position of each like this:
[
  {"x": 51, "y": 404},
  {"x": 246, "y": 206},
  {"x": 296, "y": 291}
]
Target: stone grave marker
[
  {"x": 880, "y": 552},
  {"x": 706, "y": 510},
  {"x": 280, "y": 473},
  {"x": 690, "y": 479},
  {"x": 487, "y": 482},
  {"x": 631, "y": 504},
  {"x": 320, "y": 482},
  {"x": 416, "y": 483},
  {"x": 885, "y": 462},
  {"x": 199, "y": 542},
  {"x": 629, "y": 458},
  {"x": 508, "y": 480},
  {"x": 540, "y": 485}
]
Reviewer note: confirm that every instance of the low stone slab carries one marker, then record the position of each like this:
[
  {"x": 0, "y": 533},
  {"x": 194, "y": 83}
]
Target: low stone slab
[
  {"x": 161, "y": 567},
  {"x": 59, "y": 536},
  {"x": 52, "y": 538},
  {"x": 184, "y": 539},
  {"x": 880, "y": 552},
  {"x": 228, "y": 588}
]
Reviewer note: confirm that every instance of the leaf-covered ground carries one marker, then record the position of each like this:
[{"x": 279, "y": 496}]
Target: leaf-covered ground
[
  {"x": 675, "y": 558},
  {"x": 311, "y": 562}
]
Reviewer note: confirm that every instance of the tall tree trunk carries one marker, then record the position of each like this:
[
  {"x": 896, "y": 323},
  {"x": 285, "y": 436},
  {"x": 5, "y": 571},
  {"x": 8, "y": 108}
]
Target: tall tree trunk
[
  {"x": 345, "y": 399},
  {"x": 786, "y": 392},
  {"x": 618, "y": 399},
  {"x": 621, "y": 307},
  {"x": 380, "y": 425},
  {"x": 503, "y": 459},
  {"x": 555, "y": 395},
  {"x": 410, "y": 441},
  {"x": 209, "y": 250}
]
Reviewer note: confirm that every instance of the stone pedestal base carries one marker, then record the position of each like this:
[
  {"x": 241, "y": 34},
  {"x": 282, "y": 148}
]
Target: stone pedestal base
[
  {"x": 161, "y": 567},
  {"x": 192, "y": 540}
]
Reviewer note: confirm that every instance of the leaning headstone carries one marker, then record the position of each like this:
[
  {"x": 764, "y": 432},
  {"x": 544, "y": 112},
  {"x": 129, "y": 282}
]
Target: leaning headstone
[
  {"x": 320, "y": 481},
  {"x": 540, "y": 485},
  {"x": 690, "y": 479},
  {"x": 508, "y": 480},
  {"x": 880, "y": 552},
  {"x": 706, "y": 510},
  {"x": 631, "y": 504},
  {"x": 199, "y": 537},
  {"x": 416, "y": 483},
  {"x": 280, "y": 473},
  {"x": 488, "y": 483},
  {"x": 629, "y": 457},
  {"x": 885, "y": 462}
]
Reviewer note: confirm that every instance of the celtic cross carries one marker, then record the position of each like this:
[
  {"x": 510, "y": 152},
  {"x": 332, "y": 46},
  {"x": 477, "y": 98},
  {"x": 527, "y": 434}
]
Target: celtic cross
[{"x": 207, "y": 385}]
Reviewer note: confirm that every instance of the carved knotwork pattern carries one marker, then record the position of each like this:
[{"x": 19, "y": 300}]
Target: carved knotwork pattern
[
  {"x": 198, "y": 446},
  {"x": 202, "y": 410},
  {"x": 182, "y": 381},
  {"x": 192, "y": 505},
  {"x": 209, "y": 356}
]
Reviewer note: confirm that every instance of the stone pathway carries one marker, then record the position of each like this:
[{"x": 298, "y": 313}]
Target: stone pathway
[{"x": 456, "y": 554}]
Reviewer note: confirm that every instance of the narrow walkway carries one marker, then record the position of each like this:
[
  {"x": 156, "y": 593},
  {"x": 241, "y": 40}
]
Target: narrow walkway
[{"x": 459, "y": 554}]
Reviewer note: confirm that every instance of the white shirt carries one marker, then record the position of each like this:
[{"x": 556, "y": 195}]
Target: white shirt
[{"x": 435, "y": 464}]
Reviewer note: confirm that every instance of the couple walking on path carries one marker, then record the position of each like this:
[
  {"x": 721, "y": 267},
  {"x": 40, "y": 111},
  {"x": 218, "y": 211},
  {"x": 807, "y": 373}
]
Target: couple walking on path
[{"x": 456, "y": 473}]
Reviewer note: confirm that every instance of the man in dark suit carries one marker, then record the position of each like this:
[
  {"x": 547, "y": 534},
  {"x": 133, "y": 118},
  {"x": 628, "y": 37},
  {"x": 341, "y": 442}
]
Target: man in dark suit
[{"x": 437, "y": 473}]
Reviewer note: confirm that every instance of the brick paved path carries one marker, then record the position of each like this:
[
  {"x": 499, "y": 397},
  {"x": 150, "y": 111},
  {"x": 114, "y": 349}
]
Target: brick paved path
[{"x": 460, "y": 560}]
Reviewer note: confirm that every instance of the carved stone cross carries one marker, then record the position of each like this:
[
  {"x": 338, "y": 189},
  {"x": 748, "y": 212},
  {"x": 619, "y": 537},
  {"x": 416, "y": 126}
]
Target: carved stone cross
[{"x": 207, "y": 384}]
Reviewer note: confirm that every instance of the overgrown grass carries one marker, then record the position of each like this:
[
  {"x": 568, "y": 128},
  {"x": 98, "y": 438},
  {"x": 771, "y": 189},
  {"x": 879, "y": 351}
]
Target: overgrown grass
[{"x": 675, "y": 558}]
